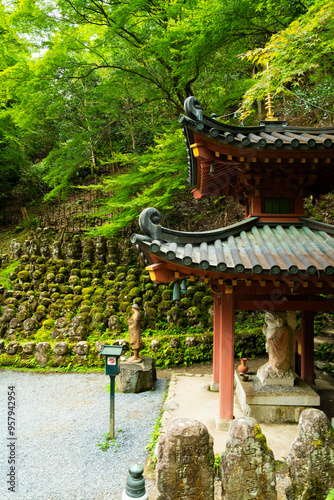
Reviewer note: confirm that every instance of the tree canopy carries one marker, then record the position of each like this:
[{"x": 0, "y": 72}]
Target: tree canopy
[{"x": 90, "y": 83}]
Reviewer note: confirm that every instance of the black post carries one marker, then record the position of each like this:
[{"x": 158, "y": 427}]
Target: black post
[{"x": 112, "y": 407}]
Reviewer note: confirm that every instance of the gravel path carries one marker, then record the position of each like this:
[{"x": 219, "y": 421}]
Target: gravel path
[{"x": 59, "y": 419}]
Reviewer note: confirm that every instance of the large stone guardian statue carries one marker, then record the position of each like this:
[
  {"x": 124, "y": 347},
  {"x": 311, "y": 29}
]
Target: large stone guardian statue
[{"x": 280, "y": 347}]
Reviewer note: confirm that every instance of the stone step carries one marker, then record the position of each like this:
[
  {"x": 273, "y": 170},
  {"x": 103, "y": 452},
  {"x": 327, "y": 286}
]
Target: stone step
[
  {"x": 328, "y": 331},
  {"x": 322, "y": 340}
]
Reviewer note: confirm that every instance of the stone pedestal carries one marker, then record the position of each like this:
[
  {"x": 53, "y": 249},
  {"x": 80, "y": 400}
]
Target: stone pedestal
[
  {"x": 274, "y": 404},
  {"x": 136, "y": 377},
  {"x": 286, "y": 378}
]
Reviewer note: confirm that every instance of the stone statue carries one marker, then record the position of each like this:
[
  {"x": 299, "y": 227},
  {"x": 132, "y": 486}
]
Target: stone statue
[
  {"x": 279, "y": 369},
  {"x": 134, "y": 331}
]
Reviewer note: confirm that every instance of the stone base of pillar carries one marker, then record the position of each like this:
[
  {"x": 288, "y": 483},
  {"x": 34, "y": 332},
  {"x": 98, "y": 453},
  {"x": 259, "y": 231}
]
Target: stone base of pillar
[
  {"x": 222, "y": 425},
  {"x": 277, "y": 405},
  {"x": 214, "y": 387}
]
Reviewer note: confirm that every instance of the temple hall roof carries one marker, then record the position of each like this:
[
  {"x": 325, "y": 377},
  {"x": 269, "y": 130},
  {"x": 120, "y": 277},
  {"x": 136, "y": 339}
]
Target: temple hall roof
[
  {"x": 249, "y": 247},
  {"x": 225, "y": 159}
]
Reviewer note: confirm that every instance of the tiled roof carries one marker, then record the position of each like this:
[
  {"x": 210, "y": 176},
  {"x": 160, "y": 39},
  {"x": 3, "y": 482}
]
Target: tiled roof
[
  {"x": 276, "y": 134},
  {"x": 249, "y": 247},
  {"x": 269, "y": 138}
]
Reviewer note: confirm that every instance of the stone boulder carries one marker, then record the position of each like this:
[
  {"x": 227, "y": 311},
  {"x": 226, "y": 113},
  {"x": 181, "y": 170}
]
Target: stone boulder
[
  {"x": 2, "y": 346},
  {"x": 42, "y": 353},
  {"x": 30, "y": 326},
  {"x": 81, "y": 350},
  {"x": 13, "y": 348},
  {"x": 28, "y": 350},
  {"x": 136, "y": 377},
  {"x": 8, "y": 314},
  {"x": 60, "y": 329},
  {"x": 60, "y": 351}
]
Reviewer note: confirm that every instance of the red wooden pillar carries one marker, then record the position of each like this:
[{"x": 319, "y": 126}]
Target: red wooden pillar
[
  {"x": 217, "y": 332},
  {"x": 307, "y": 347},
  {"x": 226, "y": 365}
]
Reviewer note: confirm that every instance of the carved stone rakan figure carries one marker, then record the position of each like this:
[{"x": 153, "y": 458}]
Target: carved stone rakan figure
[{"x": 279, "y": 369}]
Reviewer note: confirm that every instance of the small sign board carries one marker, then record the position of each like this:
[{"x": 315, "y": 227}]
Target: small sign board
[{"x": 112, "y": 354}]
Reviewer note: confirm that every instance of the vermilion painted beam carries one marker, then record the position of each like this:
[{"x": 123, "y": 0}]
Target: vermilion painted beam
[
  {"x": 307, "y": 354},
  {"x": 294, "y": 305},
  {"x": 269, "y": 287},
  {"x": 226, "y": 366}
]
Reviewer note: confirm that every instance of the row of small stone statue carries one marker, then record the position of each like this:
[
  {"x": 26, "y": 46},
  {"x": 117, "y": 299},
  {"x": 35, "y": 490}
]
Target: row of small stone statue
[
  {"x": 185, "y": 461},
  {"x": 42, "y": 351}
]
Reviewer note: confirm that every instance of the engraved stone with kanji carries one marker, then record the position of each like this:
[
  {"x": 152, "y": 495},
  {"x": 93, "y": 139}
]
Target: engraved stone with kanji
[
  {"x": 247, "y": 467},
  {"x": 185, "y": 462}
]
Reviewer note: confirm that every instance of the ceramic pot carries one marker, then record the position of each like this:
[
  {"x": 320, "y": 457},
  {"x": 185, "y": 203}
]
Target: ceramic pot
[{"x": 243, "y": 368}]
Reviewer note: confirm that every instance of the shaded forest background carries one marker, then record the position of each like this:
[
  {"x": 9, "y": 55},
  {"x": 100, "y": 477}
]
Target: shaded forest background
[{"x": 91, "y": 91}]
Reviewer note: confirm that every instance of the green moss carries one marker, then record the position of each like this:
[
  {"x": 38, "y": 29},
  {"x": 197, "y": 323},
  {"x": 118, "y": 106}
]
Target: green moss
[
  {"x": 42, "y": 335},
  {"x": 207, "y": 301},
  {"x": 185, "y": 303},
  {"x": 86, "y": 264},
  {"x": 166, "y": 295},
  {"x": 134, "y": 292},
  {"x": 48, "y": 324},
  {"x": 60, "y": 263},
  {"x": 165, "y": 306},
  {"x": 198, "y": 298},
  {"x": 24, "y": 276},
  {"x": 68, "y": 296},
  {"x": 84, "y": 309},
  {"x": 75, "y": 272},
  {"x": 124, "y": 306},
  {"x": 55, "y": 314},
  {"x": 86, "y": 282},
  {"x": 260, "y": 436}
]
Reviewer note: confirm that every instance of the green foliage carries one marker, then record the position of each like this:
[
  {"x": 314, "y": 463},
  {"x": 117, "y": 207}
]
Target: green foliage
[
  {"x": 153, "y": 179},
  {"x": 106, "y": 442},
  {"x": 85, "y": 89},
  {"x": 325, "y": 352},
  {"x": 4, "y": 274},
  {"x": 299, "y": 57},
  {"x": 155, "y": 434},
  {"x": 330, "y": 495},
  {"x": 217, "y": 464}
]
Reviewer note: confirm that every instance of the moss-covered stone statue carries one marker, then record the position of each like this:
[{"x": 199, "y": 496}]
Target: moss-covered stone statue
[{"x": 134, "y": 331}]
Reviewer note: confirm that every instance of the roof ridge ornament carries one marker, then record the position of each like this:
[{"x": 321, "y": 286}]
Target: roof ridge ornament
[
  {"x": 193, "y": 108},
  {"x": 149, "y": 222}
]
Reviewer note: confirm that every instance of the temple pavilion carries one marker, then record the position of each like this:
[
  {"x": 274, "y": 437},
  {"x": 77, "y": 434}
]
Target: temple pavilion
[{"x": 275, "y": 259}]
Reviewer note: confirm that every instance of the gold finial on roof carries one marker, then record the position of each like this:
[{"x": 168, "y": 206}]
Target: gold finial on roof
[
  {"x": 269, "y": 108},
  {"x": 269, "y": 105}
]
